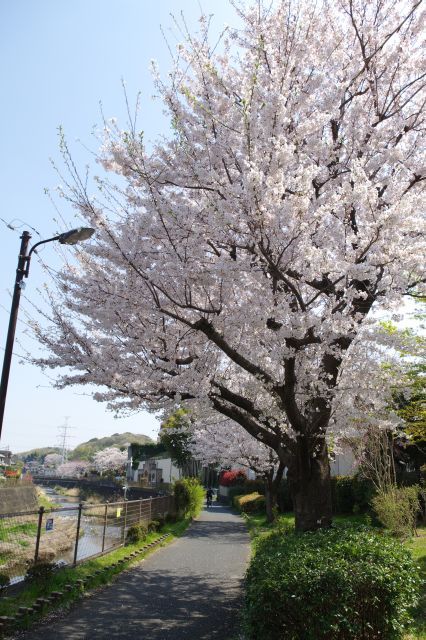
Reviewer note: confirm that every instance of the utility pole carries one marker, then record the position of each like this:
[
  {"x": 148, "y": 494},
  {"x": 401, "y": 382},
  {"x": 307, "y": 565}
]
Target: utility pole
[{"x": 21, "y": 272}]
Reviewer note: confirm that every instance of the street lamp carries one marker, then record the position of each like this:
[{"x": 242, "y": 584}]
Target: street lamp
[{"x": 24, "y": 258}]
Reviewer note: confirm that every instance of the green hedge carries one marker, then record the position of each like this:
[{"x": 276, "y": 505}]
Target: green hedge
[
  {"x": 351, "y": 494},
  {"x": 342, "y": 583},
  {"x": 250, "y": 486},
  {"x": 250, "y": 502},
  {"x": 189, "y": 497}
]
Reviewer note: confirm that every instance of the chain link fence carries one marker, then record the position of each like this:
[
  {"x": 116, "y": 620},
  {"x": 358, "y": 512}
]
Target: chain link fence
[{"x": 69, "y": 535}]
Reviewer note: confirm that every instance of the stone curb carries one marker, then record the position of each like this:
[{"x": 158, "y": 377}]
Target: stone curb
[{"x": 7, "y": 623}]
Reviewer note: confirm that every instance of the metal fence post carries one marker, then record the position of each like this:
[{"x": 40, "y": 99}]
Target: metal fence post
[
  {"x": 150, "y": 507},
  {"x": 80, "y": 508},
  {"x": 125, "y": 522},
  {"x": 140, "y": 510},
  {"x": 40, "y": 521},
  {"x": 105, "y": 524}
]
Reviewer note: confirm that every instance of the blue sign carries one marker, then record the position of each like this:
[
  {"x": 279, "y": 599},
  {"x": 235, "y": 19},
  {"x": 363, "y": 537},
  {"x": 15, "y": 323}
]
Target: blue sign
[{"x": 49, "y": 524}]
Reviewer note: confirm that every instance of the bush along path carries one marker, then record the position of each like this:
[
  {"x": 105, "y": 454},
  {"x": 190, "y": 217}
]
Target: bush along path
[
  {"x": 371, "y": 581},
  {"x": 191, "y": 589}
]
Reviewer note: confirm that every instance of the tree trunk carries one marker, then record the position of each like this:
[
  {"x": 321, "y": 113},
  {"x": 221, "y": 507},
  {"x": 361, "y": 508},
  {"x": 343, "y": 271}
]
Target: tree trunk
[
  {"x": 310, "y": 486},
  {"x": 271, "y": 491},
  {"x": 270, "y": 499}
]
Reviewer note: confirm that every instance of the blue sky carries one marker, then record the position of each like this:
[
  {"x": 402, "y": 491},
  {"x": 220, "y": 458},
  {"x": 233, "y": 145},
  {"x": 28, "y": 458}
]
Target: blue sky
[{"x": 58, "y": 60}]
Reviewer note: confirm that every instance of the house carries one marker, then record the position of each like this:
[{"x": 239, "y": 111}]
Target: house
[
  {"x": 5, "y": 458},
  {"x": 156, "y": 470},
  {"x": 150, "y": 464},
  {"x": 33, "y": 467}
]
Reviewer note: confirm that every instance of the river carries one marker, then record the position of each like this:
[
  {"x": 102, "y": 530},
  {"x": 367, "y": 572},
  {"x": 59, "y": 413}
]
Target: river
[
  {"x": 102, "y": 527},
  {"x": 94, "y": 536}
]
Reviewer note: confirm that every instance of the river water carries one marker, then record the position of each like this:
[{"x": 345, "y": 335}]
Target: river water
[
  {"x": 94, "y": 536},
  {"x": 97, "y": 533}
]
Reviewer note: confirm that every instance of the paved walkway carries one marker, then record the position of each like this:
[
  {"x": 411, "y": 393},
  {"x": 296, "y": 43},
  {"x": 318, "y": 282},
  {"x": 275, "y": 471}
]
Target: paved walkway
[{"x": 190, "y": 589}]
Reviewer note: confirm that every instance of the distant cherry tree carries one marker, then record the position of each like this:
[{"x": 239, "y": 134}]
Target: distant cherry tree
[
  {"x": 73, "y": 468},
  {"x": 52, "y": 460},
  {"x": 237, "y": 262},
  {"x": 223, "y": 442},
  {"x": 110, "y": 459}
]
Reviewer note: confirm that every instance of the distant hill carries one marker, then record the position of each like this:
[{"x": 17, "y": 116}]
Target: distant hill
[
  {"x": 85, "y": 450},
  {"x": 36, "y": 454}
]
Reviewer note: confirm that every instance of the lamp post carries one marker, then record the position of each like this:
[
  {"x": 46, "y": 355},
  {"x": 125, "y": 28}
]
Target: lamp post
[{"x": 22, "y": 271}]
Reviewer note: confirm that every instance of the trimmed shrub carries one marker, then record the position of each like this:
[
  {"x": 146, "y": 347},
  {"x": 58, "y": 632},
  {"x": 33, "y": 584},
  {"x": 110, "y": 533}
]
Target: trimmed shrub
[
  {"x": 351, "y": 494},
  {"x": 189, "y": 497},
  {"x": 250, "y": 486},
  {"x": 239, "y": 490},
  {"x": 397, "y": 510},
  {"x": 342, "y": 583},
  {"x": 250, "y": 503},
  {"x": 363, "y": 491},
  {"x": 137, "y": 533}
]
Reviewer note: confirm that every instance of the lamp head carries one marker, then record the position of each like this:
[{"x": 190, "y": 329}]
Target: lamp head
[{"x": 76, "y": 235}]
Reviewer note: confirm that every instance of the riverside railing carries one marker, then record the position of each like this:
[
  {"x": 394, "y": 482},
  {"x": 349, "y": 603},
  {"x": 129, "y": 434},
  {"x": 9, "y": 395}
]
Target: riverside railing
[{"x": 69, "y": 535}]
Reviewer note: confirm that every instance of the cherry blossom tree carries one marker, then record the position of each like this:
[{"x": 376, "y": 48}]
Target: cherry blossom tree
[
  {"x": 224, "y": 442},
  {"x": 110, "y": 459},
  {"x": 374, "y": 427},
  {"x": 73, "y": 468},
  {"x": 237, "y": 262},
  {"x": 52, "y": 460}
]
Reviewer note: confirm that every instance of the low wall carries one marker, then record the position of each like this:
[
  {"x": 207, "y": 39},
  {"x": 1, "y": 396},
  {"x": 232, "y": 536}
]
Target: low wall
[{"x": 18, "y": 498}]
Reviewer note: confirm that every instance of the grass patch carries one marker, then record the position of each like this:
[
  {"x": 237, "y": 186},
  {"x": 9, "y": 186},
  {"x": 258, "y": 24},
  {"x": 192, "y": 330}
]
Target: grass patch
[
  {"x": 23, "y": 528},
  {"x": 417, "y": 546},
  {"x": 73, "y": 492},
  {"x": 259, "y": 526},
  {"x": 257, "y": 523},
  {"x": 44, "y": 501},
  {"x": 9, "y": 605}
]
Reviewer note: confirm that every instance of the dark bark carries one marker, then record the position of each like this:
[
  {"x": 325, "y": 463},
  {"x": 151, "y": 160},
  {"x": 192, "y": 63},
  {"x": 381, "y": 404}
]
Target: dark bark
[
  {"x": 272, "y": 484},
  {"x": 310, "y": 486}
]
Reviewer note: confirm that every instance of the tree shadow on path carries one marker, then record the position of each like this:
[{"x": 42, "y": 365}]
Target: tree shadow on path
[{"x": 155, "y": 606}]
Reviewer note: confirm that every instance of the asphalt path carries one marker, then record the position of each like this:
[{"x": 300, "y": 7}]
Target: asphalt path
[{"x": 190, "y": 589}]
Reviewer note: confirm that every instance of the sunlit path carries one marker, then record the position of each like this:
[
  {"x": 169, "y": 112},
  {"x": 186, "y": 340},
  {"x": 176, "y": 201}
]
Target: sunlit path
[{"x": 190, "y": 589}]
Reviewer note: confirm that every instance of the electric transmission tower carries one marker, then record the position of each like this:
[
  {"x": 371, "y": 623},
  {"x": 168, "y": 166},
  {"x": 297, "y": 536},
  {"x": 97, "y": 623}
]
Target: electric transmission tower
[{"x": 63, "y": 437}]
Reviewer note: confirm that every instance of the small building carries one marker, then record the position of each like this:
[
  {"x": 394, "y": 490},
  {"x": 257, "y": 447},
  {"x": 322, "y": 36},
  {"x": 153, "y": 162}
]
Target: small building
[
  {"x": 151, "y": 465},
  {"x": 155, "y": 471},
  {"x": 33, "y": 467},
  {"x": 5, "y": 458}
]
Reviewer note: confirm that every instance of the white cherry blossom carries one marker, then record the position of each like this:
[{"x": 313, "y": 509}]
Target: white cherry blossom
[{"x": 237, "y": 261}]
